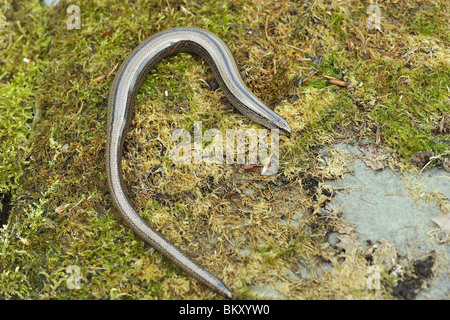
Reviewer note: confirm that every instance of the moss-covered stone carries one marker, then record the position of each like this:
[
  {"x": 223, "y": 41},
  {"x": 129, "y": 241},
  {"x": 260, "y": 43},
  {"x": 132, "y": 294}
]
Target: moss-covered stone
[{"x": 54, "y": 86}]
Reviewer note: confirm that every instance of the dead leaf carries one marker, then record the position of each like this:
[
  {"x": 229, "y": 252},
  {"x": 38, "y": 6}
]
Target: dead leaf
[
  {"x": 107, "y": 32},
  {"x": 377, "y": 138},
  {"x": 441, "y": 125},
  {"x": 327, "y": 210},
  {"x": 186, "y": 11},
  {"x": 372, "y": 158},
  {"x": 420, "y": 159},
  {"x": 97, "y": 80},
  {"x": 338, "y": 82},
  {"x": 446, "y": 164},
  {"x": 250, "y": 168},
  {"x": 348, "y": 243},
  {"x": 60, "y": 209},
  {"x": 443, "y": 221},
  {"x": 112, "y": 71}
]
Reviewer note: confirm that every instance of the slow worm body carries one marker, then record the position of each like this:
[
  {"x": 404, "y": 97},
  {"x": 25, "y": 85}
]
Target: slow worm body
[{"x": 124, "y": 89}]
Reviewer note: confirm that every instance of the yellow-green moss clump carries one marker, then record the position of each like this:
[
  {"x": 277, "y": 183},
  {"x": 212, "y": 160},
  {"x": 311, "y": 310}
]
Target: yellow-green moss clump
[{"x": 318, "y": 64}]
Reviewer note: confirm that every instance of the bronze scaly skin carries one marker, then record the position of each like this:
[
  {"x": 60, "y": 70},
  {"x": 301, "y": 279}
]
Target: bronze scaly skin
[{"x": 124, "y": 89}]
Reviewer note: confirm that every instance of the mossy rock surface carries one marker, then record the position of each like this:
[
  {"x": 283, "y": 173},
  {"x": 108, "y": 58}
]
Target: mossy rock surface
[{"x": 318, "y": 64}]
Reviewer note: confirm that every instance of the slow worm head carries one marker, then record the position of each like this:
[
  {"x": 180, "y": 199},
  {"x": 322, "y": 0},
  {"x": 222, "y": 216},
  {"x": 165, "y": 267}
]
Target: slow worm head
[{"x": 124, "y": 89}]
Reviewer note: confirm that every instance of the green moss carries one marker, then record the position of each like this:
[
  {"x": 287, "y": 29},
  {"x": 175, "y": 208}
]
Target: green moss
[
  {"x": 22, "y": 68},
  {"x": 427, "y": 22}
]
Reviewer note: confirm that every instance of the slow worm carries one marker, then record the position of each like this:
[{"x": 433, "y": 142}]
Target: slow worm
[{"x": 124, "y": 88}]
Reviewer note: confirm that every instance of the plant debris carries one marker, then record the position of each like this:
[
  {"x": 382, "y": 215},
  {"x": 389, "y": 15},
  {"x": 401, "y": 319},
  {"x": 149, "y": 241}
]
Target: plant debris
[
  {"x": 443, "y": 221},
  {"x": 408, "y": 287},
  {"x": 420, "y": 159},
  {"x": 372, "y": 158}
]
